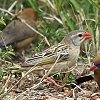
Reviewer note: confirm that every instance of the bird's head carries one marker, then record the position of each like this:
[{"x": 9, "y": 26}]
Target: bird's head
[
  {"x": 29, "y": 14},
  {"x": 96, "y": 64},
  {"x": 79, "y": 36}
]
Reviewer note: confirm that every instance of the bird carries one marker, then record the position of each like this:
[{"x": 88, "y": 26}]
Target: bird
[
  {"x": 17, "y": 34},
  {"x": 96, "y": 68},
  {"x": 65, "y": 53},
  {"x": 96, "y": 76}
]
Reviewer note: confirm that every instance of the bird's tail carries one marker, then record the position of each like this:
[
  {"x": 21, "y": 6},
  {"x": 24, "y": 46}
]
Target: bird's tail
[{"x": 82, "y": 79}]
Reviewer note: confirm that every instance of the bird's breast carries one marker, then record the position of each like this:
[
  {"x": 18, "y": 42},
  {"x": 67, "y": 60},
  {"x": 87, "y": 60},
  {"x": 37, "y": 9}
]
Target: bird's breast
[
  {"x": 73, "y": 56},
  {"x": 66, "y": 64}
]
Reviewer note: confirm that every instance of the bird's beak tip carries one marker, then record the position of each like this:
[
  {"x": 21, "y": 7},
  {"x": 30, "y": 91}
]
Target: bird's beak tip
[{"x": 87, "y": 35}]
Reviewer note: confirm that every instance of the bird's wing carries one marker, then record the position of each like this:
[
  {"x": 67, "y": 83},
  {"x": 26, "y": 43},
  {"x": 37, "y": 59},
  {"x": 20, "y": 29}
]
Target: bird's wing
[
  {"x": 16, "y": 31},
  {"x": 49, "y": 56}
]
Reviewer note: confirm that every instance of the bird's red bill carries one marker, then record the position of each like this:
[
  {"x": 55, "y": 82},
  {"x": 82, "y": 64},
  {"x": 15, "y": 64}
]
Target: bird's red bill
[
  {"x": 87, "y": 36},
  {"x": 93, "y": 68}
]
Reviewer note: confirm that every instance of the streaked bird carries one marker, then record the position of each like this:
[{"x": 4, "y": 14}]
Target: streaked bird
[{"x": 66, "y": 53}]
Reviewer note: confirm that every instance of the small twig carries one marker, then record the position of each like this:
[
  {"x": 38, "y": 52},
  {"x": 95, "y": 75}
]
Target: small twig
[
  {"x": 97, "y": 40},
  {"x": 78, "y": 87},
  {"x": 50, "y": 70},
  {"x": 33, "y": 29},
  {"x": 91, "y": 20},
  {"x": 73, "y": 93},
  {"x": 15, "y": 68},
  {"x": 51, "y": 5},
  {"x": 3, "y": 88},
  {"x": 7, "y": 12},
  {"x": 13, "y": 4},
  {"x": 88, "y": 52},
  {"x": 71, "y": 69},
  {"x": 54, "y": 17}
]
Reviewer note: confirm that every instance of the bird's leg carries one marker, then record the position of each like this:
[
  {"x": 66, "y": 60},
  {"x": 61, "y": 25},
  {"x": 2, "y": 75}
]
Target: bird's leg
[{"x": 51, "y": 80}]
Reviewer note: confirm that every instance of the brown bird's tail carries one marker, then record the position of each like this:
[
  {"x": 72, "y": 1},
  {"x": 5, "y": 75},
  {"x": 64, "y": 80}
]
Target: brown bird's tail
[{"x": 82, "y": 79}]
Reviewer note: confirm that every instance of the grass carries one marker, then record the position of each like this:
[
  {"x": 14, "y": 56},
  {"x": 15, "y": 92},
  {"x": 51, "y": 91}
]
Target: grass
[{"x": 66, "y": 16}]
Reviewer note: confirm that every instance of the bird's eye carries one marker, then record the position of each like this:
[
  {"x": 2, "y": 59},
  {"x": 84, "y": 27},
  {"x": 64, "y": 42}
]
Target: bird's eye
[{"x": 80, "y": 35}]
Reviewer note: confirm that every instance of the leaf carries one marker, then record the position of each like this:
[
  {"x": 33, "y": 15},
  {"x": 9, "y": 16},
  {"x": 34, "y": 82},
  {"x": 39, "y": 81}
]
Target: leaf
[
  {"x": 35, "y": 5},
  {"x": 76, "y": 4},
  {"x": 2, "y": 21}
]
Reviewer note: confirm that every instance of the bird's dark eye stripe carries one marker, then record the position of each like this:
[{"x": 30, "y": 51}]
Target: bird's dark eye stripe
[{"x": 80, "y": 35}]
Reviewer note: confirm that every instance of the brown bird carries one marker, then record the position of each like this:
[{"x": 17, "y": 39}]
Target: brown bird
[
  {"x": 96, "y": 69},
  {"x": 67, "y": 52},
  {"x": 17, "y": 33}
]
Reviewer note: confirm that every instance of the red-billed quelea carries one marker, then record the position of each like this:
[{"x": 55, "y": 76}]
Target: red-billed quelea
[{"x": 67, "y": 53}]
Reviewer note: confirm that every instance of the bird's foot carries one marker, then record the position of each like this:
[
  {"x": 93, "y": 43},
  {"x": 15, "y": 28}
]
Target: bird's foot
[{"x": 53, "y": 82}]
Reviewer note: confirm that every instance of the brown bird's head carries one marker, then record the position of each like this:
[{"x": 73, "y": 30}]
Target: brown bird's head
[
  {"x": 29, "y": 13},
  {"x": 77, "y": 37},
  {"x": 96, "y": 64}
]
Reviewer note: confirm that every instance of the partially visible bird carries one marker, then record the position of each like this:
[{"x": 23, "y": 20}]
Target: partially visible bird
[
  {"x": 17, "y": 33},
  {"x": 96, "y": 69},
  {"x": 67, "y": 52},
  {"x": 96, "y": 76}
]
